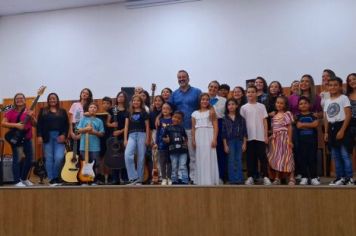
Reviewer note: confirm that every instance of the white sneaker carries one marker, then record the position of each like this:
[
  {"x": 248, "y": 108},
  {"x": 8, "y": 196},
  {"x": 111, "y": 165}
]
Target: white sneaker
[
  {"x": 349, "y": 181},
  {"x": 249, "y": 181},
  {"x": 27, "y": 182},
  {"x": 304, "y": 181},
  {"x": 298, "y": 177},
  {"x": 164, "y": 182},
  {"x": 169, "y": 182},
  {"x": 315, "y": 181},
  {"x": 20, "y": 184},
  {"x": 266, "y": 181},
  {"x": 337, "y": 181}
]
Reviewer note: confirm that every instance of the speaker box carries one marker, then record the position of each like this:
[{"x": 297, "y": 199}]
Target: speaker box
[
  {"x": 7, "y": 176},
  {"x": 130, "y": 91}
]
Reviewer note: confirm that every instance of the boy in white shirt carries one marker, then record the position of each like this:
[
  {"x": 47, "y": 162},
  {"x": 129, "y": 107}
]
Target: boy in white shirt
[
  {"x": 255, "y": 115},
  {"x": 338, "y": 115}
]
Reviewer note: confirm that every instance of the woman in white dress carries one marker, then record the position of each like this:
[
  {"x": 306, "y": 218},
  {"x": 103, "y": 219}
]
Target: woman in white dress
[{"x": 204, "y": 139}]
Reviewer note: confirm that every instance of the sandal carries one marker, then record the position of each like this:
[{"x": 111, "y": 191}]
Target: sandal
[
  {"x": 276, "y": 181},
  {"x": 291, "y": 182}
]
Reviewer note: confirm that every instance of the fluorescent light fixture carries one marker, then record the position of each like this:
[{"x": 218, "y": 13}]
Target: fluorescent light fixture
[{"x": 131, "y": 4}]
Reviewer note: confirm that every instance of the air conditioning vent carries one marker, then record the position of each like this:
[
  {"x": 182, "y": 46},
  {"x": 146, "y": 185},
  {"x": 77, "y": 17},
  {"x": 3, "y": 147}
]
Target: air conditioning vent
[{"x": 131, "y": 4}]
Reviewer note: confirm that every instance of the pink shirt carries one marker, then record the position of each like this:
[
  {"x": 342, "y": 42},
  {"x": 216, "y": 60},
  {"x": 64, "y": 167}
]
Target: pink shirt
[{"x": 11, "y": 116}]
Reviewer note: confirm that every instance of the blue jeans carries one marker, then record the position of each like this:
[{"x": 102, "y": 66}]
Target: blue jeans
[
  {"x": 54, "y": 154},
  {"x": 21, "y": 168},
  {"x": 136, "y": 141},
  {"x": 343, "y": 163},
  {"x": 234, "y": 161},
  {"x": 222, "y": 157},
  {"x": 179, "y": 167}
]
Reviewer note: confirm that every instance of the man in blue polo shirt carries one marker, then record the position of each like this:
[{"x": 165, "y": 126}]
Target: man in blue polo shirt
[{"x": 186, "y": 99}]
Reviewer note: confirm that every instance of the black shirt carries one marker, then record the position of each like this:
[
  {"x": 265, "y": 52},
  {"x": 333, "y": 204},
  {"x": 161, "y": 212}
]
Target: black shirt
[
  {"x": 137, "y": 121},
  {"x": 49, "y": 121},
  {"x": 121, "y": 117},
  {"x": 177, "y": 138}
]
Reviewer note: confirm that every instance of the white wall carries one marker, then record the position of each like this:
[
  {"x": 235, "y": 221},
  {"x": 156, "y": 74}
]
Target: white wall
[{"x": 107, "y": 47}]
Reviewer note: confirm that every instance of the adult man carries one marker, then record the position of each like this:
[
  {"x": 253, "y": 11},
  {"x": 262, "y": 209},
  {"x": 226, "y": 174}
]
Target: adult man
[{"x": 186, "y": 99}]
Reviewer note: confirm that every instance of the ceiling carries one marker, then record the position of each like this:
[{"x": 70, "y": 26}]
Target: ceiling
[{"x": 13, "y": 7}]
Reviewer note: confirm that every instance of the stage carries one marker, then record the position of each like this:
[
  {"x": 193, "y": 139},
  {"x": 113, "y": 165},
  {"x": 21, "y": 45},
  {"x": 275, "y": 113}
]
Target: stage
[{"x": 178, "y": 210}]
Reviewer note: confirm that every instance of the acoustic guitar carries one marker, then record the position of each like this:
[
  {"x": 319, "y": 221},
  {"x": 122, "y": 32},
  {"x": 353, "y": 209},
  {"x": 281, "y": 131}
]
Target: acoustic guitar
[
  {"x": 70, "y": 169},
  {"x": 86, "y": 173},
  {"x": 155, "y": 174},
  {"x": 15, "y": 136},
  {"x": 115, "y": 151}
]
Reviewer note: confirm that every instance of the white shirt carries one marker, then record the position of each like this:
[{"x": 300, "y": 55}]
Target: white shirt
[
  {"x": 324, "y": 96},
  {"x": 254, "y": 114},
  {"x": 335, "y": 108},
  {"x": 219, "y": 107}
]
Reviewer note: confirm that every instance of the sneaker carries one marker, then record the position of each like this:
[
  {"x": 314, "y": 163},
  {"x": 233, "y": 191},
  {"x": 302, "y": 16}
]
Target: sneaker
[
  {"x": 53, "y": 182},
  {"x": 276, "y": 182},
  {"x": 249, "y": 181},
  {"x": 337, "y": 181},
  {"x": 298, "y": 177},
  {"x": 20, "y": 184},
  {"x": 27, "y": 182},
  {"x": 315, "y": 181},
  {"x": 349, "y": 181},
  {"x": 138, "y": 183},
  {"x": 164, "y": 182},
  {"x": 304, "y": 181},
  {"x": 169, "y": 182},
  {"x": 132, "y": 182},
  {"x": 266, "y": 181}
]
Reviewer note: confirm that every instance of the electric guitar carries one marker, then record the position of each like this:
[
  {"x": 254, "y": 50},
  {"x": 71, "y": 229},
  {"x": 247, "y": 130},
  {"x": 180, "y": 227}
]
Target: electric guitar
[
  {"x": 15, "y": 136},
  {"x": 115, "y": 150},
  {"x": 6, "y": 108},
  {"x": 70, "y": 169},
  {"x": 86, "y": 173}
]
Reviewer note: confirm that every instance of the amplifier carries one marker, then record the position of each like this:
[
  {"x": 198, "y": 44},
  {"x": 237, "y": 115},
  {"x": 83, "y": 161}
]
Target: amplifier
[{"x": 7, "y": 176}]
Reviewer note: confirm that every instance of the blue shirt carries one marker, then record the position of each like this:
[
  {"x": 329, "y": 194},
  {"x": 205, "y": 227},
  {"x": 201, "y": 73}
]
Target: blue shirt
[
  {"x": 94, "y": 141},
  {"x": 232, "y": 129},
  {"x": 186, "y": 102},
  {"x": 163, "y": 124}
]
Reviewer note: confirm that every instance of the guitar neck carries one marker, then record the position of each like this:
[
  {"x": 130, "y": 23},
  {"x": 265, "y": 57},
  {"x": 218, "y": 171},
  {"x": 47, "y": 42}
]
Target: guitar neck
[
  {"x": 31, "y": 108},
  {"x": 86, "y": 155},
  {"x": 153, "y": 89}
]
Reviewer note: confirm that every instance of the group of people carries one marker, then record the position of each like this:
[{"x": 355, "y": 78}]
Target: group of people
[{"x": 200, "y": 137}]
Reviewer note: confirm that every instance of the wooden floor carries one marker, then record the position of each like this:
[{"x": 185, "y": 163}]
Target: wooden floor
[{"x": 188, "y": 210}]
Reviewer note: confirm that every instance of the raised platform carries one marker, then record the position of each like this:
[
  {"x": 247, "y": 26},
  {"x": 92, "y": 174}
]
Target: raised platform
[{"x": 192, "y": 210}]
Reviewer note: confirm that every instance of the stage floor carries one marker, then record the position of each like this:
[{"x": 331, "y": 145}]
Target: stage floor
[{"x": 178, "y": 210}]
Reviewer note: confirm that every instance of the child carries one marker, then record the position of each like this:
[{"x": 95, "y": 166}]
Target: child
[
  {"x": 164, "y": 159},
  {"x": 136, "y": 138},
  {"x": 176, "y": 138},
  {"x": 95, "y": 127},
  {"x": 338, "y": 115},
  {"x": 156, "y": 110},
  {"x": 204, "y": 139},
  {"x": 351, "y": 93},
  {"x": 224, "y": 90},
  {"x": 255, "y": 115},
  {"x": 307, "y": 135},
  {"x": 280, "y": 155},
  {"x": 106, "y": 107},
  {"x": 234, "y": 136},
  {"x": 119, "y": 176},
  {"x": 262, "y": 89}
]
